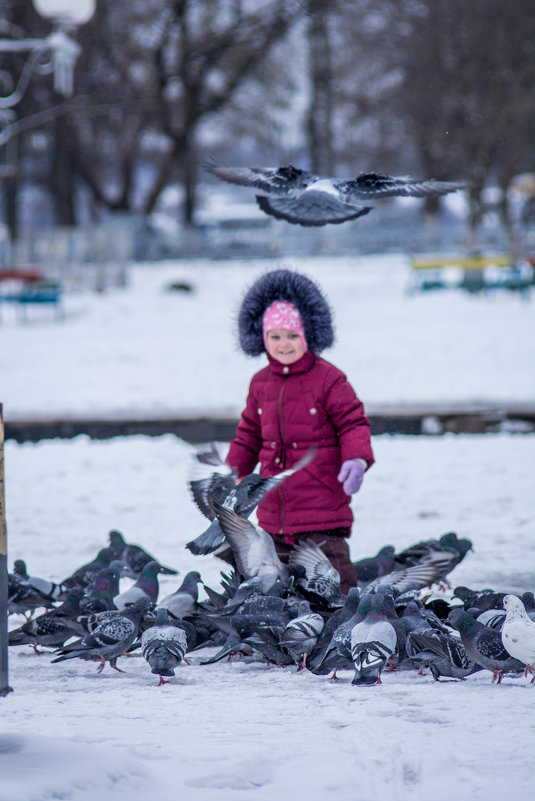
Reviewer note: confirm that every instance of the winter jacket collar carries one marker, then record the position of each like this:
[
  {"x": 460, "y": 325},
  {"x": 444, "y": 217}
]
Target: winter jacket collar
[{"x": 302, "y": 365}]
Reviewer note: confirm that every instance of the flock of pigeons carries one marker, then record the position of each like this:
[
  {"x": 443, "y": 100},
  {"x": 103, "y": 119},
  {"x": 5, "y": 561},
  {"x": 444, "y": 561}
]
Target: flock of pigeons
[{"x": 288, "y": 614}]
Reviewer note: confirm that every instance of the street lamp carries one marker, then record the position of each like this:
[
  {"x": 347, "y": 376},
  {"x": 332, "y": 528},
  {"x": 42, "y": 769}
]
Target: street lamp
[
  {"x": 61, "y": 49},
  {"x": 60, "y": 52}
]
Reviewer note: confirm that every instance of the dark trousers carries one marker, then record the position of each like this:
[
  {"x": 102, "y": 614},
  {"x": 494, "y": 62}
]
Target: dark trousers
[{"x": 335, "y": 548}]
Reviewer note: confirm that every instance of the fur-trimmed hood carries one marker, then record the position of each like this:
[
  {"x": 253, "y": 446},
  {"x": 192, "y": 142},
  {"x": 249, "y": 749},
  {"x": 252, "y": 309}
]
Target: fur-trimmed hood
[{"x": 298, "y": 290}]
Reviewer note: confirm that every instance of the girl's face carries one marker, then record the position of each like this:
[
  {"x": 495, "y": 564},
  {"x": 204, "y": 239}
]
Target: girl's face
[{"x": 284, "y": 345}]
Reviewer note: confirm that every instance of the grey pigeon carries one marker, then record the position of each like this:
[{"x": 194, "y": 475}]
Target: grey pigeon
[
  {"x": 337, "y": 655},
  {"x": 375, "y": 566},
  {"x": 301, "y": 634},
  {"x": 373, "y": 643},
  {"x": 182, "y": 602},
  {"x": 411, "y": 578},
  {"x": 253, "y": 549},
  {"x": 110, "y": 639},
  {"x": 242, "y": 498},
  {"x": 86, "y": 573},
  {"x": 44, "y": 586},
  {"x": 22, "y": 598},
  {"x": 145, "y": 587},
  {"x": 442, "y": 652},
  {"x": 339, "y": 616},
  {"x": 306, "y": 199},
  {"x": 518, "y": 633},
  {"x": 321, "y": 583},
  {"x": 484, "y": 645},
  {"x": 134, "y": 556},
  {"x": 163, "y": 646},
  {"x": 448, "y": 548},
  {"x": 51, "y": 629},
  {"x": 99, "y": 595}
]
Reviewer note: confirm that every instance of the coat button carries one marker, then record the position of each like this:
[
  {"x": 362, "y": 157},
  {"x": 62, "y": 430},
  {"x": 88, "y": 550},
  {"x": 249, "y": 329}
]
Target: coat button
[
  {"x": 294, "y": 444},
  {"x": 285, "y": 369},
  {"x": 313, "y": 411},
  {"x": 259, "y": 411},
  {"x": 273, "y": 445},
  {"x": 277, "y": 460}
]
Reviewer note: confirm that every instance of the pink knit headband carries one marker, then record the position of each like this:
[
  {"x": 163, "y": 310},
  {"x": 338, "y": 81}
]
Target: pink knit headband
[{"x": 283, "y": 314}]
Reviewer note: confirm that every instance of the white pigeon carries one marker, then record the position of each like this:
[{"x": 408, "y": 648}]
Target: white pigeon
[
  {"x": 302, "y": 198},
  {"x": 518, "y": 633}
]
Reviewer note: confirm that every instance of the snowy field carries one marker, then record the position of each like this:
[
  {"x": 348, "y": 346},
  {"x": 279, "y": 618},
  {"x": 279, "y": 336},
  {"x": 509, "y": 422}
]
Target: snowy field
[
  {"x": 244, "y": 729},
  {"x": 148, "y": 351}
]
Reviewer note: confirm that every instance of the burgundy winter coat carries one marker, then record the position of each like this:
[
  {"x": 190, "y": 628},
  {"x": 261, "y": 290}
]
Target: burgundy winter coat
[{"x": 289, "y": 409}]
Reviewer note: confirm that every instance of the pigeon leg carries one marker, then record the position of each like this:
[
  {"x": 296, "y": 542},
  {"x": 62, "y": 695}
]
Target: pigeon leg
[
  {"x": 334, "y": 677},
  {"x": 36, "y": 650},
  {"x": 422, "y": 670},
  {"x": 302, "y": 664},
  {"x": 102, "y": 662},
  {"x": 113, "y": 664},
  {"x": 497, "y": 674},
  {"x": 162, "y": 681}
]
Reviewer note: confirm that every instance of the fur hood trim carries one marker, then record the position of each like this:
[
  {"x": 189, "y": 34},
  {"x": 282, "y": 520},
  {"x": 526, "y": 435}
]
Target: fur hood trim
[{"x": 298, "y": 290}]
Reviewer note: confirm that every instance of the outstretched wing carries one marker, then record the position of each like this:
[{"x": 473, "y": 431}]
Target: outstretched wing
[
  {"x": 253, "y": 548},
  {"x": 375, "y": 185},
  {"x": 277, "y": 180}
]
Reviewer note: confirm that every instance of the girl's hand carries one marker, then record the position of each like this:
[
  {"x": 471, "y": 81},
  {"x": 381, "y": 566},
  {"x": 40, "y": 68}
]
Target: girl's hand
[{"x": 351, "y": 475}]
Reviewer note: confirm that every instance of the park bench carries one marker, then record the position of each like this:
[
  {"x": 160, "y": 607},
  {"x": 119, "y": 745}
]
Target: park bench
[
  {"x": 24, "y": 286},
  {"x": 477, "y": 273}
]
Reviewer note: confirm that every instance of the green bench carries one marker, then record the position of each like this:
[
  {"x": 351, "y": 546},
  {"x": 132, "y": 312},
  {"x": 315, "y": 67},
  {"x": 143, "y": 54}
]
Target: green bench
[
  {"x": 25, "y": 287},
  {"x": 473, "y": 274}
]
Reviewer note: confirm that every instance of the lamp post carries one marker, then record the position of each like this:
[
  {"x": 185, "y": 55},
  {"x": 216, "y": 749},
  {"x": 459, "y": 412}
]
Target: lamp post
[
  {"x": 59, "y": 52},
  {"x": 55, "y": 53}
]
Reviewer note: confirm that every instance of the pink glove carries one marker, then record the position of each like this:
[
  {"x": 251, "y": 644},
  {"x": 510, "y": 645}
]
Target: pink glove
[{"x": 351, "y": 475}]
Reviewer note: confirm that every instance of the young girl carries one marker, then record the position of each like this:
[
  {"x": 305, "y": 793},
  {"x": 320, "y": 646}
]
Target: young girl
[{"x": 300, "y": 400}]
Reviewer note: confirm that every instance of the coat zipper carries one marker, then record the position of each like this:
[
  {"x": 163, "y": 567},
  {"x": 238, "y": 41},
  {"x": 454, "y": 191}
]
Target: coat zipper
[{"x": 281, "y": 433}]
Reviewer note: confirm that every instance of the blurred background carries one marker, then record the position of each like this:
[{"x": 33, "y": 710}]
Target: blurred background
[{"x": 107, "y": 155}]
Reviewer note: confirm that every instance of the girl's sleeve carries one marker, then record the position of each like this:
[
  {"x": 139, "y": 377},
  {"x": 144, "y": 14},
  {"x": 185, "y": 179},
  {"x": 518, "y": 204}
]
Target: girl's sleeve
[
  {"x": 347, "y": 414},
  {"x": 245, "y": 447}
]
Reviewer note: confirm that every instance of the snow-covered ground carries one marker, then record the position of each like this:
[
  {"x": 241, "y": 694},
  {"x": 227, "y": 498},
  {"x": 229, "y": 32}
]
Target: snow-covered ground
[
  {"x": 244, "y": 729},
  {"x": 149, "y": 351}
]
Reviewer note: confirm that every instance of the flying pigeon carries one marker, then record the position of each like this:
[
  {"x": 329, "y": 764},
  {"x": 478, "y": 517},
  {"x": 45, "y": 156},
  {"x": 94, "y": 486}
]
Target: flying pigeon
[
  {"x": 253, "y": 549},
  {"x": 518, "y": 633},
  {"x": 242, "y": 498},
  {"x": 303, "y": 198},
  {"x": 448, "y": 547},
  {"x": 322, "y": 581},
  {"x": 484, "y": 645},
  {"x": 163, "y": 646},
  {"x": 110, "y": 639}
]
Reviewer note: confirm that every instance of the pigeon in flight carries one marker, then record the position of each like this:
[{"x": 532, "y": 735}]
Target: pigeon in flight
[{"x": 303, "y": 198}]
